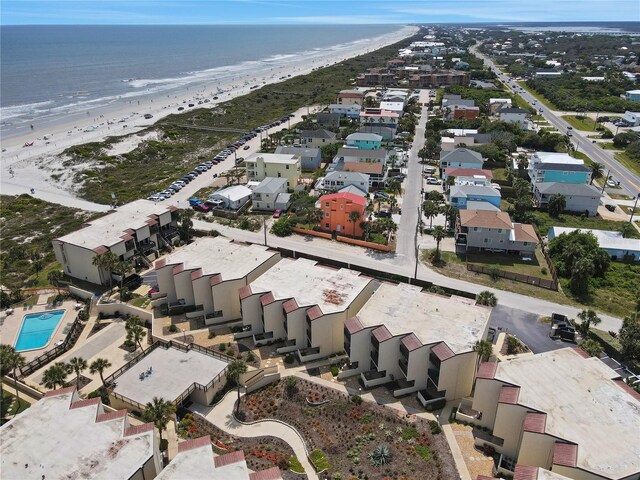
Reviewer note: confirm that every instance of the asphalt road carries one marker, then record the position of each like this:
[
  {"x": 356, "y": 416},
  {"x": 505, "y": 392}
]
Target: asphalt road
[{"x": 629, "y": 181}]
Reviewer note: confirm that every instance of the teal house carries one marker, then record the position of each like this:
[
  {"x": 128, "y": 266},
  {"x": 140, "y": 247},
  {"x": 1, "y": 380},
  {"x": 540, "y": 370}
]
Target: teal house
[
  {"x": 561, "y": 173},
  {"x": 367, "y": 141}
]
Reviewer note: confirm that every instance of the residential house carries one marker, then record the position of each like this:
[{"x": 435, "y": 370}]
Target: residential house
[
  {"x": 632, "y": 96},
  {"x": 353, "y": 189},
  {"x": 478, "y": 180},
  {"x": 263, "y": 165},
  {"x": 283, "y": 201},
  {"x": 264, "y": 196},
  {"x": 134, "y": 232},
  {"x": 460, "y": 195},
  {"x": 563, "y": 411},
  {"x": 496, "y": 104},
  {"x": 466, "y": 172},
  {"x": 305, "y": 304},
  {"x": 578, "y": 197},
  {"x": 317, "y": 138},
  {"x": 385, "y": 132},
  {"x": 632, "y": 118},
  {"x": 395, "y": 107},
  {"x": 461, "y": 158},
  {"x": 350, "y": 97},
  {"x": 482, "y": 230},
  {"x": 376, "y": 171},
  {"x": 328, "y": 120},
  {"x": 618, "y": 247},
  {"x": 336, "y": 213},
  {"x": 395, "y": 96},
  {"x": 450, "y": 143},
  {"x": 559, "y": 172},
  {"x": 365, "y": 155},
  {"x": 395, "y": 63},
  {"x": 209, "y": 272},
  {"x": 337, "y": 180},
  {"x": 515, "y": 115},
  {"x": 345, "y": 110},
  {"x": 376, "y": 117},
  {"x": 233, "y": 197},
  {"x": 451, "y": 100},
  {"x": 310, "y": 158},
  {"x": 195, "y": 460},
  {"x": 539, "y": 161},
  {"x": 424, "y": 342},
  {"x": 62, "y": 436},
  {"x": 367, "y": 141},
  {"x": 461, "y": 112}
]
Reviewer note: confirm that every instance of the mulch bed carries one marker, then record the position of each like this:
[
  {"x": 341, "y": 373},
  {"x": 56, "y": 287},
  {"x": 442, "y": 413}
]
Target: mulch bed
[
  {"x": 347, "y": 432},
  {"x": 84, "y": 381}
]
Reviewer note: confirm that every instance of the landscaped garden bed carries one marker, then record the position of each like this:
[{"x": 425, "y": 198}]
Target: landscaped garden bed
[{"x": 350, "y": 439}]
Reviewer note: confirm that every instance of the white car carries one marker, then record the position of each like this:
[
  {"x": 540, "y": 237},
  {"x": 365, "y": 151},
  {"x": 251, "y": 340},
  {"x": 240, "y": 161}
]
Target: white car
[
  {"x": 611, "y": 183},
  {"x": 433, "y": 181}
]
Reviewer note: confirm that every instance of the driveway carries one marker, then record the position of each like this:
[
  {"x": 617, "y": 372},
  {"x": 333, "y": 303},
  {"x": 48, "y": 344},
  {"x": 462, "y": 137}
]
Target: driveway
[{"x": 526, "y": 327}]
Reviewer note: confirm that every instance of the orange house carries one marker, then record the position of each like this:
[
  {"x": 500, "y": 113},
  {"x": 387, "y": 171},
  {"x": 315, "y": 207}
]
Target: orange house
[{"x": 336, "y": 209}]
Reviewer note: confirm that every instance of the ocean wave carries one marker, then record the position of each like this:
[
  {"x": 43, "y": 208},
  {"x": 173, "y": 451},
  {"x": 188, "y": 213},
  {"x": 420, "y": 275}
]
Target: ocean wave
[{"x": 19, "y": 110}]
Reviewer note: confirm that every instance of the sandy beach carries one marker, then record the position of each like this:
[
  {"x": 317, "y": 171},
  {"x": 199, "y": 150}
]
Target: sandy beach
[{"x": 29, "y": 159}]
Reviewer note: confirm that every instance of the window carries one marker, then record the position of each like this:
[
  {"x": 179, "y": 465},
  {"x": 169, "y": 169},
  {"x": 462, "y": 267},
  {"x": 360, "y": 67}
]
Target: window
[
  {"x": 475, "y": 229},
  {"x": 326, "y": 225},
  {"x": 486, "y": 240},
  {"x": 525, "y": 244},
  {"x": 279, "y": 174},
  {"x": 326, "y": 204},
  {"x": 287, "y": 167},
  {"x": 501, "y": 241},
  {"x": 342, "y": 206},
  {"x": 499, "y": 230},
  {"x": 326, "y": 215}
]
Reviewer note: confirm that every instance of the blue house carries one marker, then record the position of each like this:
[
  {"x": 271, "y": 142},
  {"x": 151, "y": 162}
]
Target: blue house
[
  {"x": 368, "y": 141},
  {"x": 559, "y": 172},
  {"x": 461, "y": 158},
  {"x": 613, "y": 243},
  {"x": 461, "y": 195}
]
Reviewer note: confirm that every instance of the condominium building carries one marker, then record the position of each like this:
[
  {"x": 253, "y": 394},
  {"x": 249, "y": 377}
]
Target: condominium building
[
  {"x": 208, "y": 274},
  {"x": 263, "y": 165},
  {"x": 134, "y": 232},
  {"x": 562, "y": 411},
  {"x": 422, "y": 341},
  {"x": 64, "y": 436},
  {"x": 304, "y": 303}
]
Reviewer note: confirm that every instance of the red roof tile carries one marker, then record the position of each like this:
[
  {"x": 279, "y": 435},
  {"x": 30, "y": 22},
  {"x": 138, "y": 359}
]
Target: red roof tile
[
  {"x": 509, "y": 395},
  {"x": 59, "y": 391},
  {"x": 362, "y": 167},
  {"x": 381, "y": 334},
  {"x": 353, "y": 325},
  {"x": 101, "y": 249},
  {"x": 535, "y": 422},
  {"x": 314, "y": 313},
  {"x": 245, "y": 292},
  {"x": 106, "y": 417},
  {"x": 151, "y": 221},
  {"x": 272, "y": 473},
  {"x": 160, "y": 263},
  {"x": 357, "y": 199},
  {"x": 267, "y": 298},
  {"x": 442, "y": 351},
  {"x": 172, "y": 208},
  {"x": 194, "y": 443},
  {"x": 196, "y": 274},
  {"x": 487, "y": 370},
  {"x": 581, "y": 352},
  {"x": 138, "y": 429},
  {"x": 411, "y": 342},
  {"x": 627, "y": 389},
  {"x": 126, "y": 237},
  {"x": 215, "y": 279},
  {"x": 290, "y": 305},
  {"x": 524, "y": 232},
  {"x": 85, "y": 403},
  {"x": 229, "y": 458},
  {"x": 525, "y": 472},
  {"x": 178, "y": 269},
  {"x": 565, "y": 454}
]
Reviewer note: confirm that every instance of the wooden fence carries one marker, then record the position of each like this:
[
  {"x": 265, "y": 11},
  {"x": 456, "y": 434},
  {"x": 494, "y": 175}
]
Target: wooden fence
[{"x": 518, "y": 277}]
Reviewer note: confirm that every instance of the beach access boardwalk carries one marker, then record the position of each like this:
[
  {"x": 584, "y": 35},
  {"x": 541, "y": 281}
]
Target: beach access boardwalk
[{"x": 221, "y": 415}]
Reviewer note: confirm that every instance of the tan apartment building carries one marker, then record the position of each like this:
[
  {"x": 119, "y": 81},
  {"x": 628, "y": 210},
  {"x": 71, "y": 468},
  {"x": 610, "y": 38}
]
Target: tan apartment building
[
  {"x": 304, "y": 303},
  {"x": 439, "y": 79},
  {"x": 350, "y": 97},
  {"x": 562, "y": 411},
  {"x": 276, "y": 165},
  {"x": 133, "y": 232},
  {"x": 208, "y": 274},
  {"x": 422, "y": 341}
]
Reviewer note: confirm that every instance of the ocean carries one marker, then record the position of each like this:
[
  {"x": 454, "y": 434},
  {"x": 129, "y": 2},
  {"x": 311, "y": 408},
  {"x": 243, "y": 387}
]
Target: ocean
[{"x": 49, "y": 71}]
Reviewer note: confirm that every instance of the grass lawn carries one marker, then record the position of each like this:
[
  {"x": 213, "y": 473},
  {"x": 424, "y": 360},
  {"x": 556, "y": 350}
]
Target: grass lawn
[
  {"x": 8, "y": 406},
  {"x": 546, "y": 102},
  {"x": 319, "y": 460},
  {"x": 584, "y": 124},
  {"x": 544, "y": 222},
  {"x": 499, "y": 174},
  {"x": 295, "y": 465},
  {"x": 510, "y": 263},
  {"x": 583, "y": 156},
  {"x": 140, "y": 302},
  {"x": 628, "y": 209},
  {"x": 40, "y": 281},
  {"x": 620, "y": 196},
  {"x": 608, "y": 146},
  {"x": 627, "y": 161}
]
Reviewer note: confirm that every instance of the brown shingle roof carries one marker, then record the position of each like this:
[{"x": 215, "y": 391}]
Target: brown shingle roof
[
  {"x": 509, "y": 395},
  {"x": 411, "y": 342},
  {"x": 229, "y": 458},
  {"x": 381, "y": 334},
  {"x": 525, "y": 472},
  {"x": 535, "y": 422},
  {"x": 565, "y": 454},
  {"x": 442, "y": 351},
  {"x": 487, "y": 370},
  {"x": 195, "y": 443},
  {"x": 485, "y": 219},
  {"x": 363, "y": 167},
  {"x": 272, "y": 473},
  {"x": 353, "y": 325},
  {"x": 524, "y": 232}
]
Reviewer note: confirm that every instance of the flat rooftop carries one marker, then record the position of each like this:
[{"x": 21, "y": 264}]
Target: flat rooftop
[
  {"x": 583, "y": 405},
  {"x": 108, "y": 230},
  {"x": 173, "y": 371},
  {"x": 274, "y": 158},
  {"x": 219, "y": 256},
  {"x": 405, "y": 309},
  {"x": 333, "y": 290},
  {"x": 53, "y": 440}
]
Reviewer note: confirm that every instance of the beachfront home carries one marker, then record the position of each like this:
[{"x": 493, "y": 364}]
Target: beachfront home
[
  {"x": 375, "y": 77},
  {"x": 233, "y": 197},
  {"x": 484, "y": 230},
  {"x": 385, "y": 132},
  {"x": 618, "y": 247},
  {"x": 466, "y": 172},
  {"x": 195, "y": 460},
  {"x": 324, "y": 119},
  {"x": 376, "y": 117},
  {"x": 439, "y": 79},
  {"x": 305, "y": 304},
  {"x": 367, "y": 141},
  {"x": 133, "y": 232},
  {"x": 337, "y": 180},
  {"x": 337, "y": 209},
  {"x": 461, "y": 112},
  {"x": 364, "y": 155},
  {"x": 557, "y": 167},
  {"x": 350, "y": 97},
  {"x": 263, "y": 165},
  {"x": 422, "y": 341},
  {"x": 579, "y": 197},
  {"x": 396, "y": 96},
  {"x": 562, "y": 411},
  {"x": 345, "y": 111},
  {"x": 317, "y": 138},
  {"x": 395, "y": 107},
  {"x": 376, "y": 171},
  {"x": 461, "y": 158},
  {"x": 265, "y": 195},
  {"x": 632, "y": 118},
  {"x": 63, "y": 436},
  {"x": 310, "y": 157},
  {"x": 452, "y": 100},
  {"x": 208, "y": 273},
  {"x": 520, "y": 116},
  {"x": 460, "y": 195}
]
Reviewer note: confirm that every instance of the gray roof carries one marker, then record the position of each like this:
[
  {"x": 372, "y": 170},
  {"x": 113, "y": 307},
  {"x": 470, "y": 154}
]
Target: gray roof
[
  {"x": 562, "y": 167},
  {"x": 572, "y": 189},
  {"x": 352, "y": 176},
  {"x": 463, "y": 155},
  {"x": 376, "y": 129},
  {"x": 374, "y": 137},
  {"x": 362, "y": 153},
  {"x": 513, "y": 110},
  {"x": 353, "y": 189},
  {"x": 480, "y": 205},
  {"x": 318, "y": 134},
  {"x": 462, "y": 103},
  {"x": 271, "y": 185},
  {"x": 464, "y": 190},
  {"x": 328, "y": 118},
  {"x": 301, "y": 151},
  {"x": 283, "y": 198}
]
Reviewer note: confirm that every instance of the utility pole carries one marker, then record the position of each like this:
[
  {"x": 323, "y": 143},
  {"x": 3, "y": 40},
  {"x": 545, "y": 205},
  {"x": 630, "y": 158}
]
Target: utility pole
[
  {"x": 604, "y": 183},
  {"x": 634, "y": 208},
  {"x": 415, "y": 272},
  {"x": 264, "y": 227}
]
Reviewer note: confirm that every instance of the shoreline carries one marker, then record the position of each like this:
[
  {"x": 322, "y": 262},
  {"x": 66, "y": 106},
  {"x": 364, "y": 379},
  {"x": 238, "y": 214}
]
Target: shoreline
[{"x": 24, "y": 168}]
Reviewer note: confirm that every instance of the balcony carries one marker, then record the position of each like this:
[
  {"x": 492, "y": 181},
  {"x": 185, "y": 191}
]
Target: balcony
[
  {"x": 430, "y": 395},
  {"x": 244, "y": 333},
  {"x": 434, "y": 375},
  {"x": 404, "y": 365},
  {"x": 169, "y": 232},
  {"x": 289, "y": 346},
  {"x": 373, "y": 378},
  {"x": 262, "y": 338},
  {"x": 404, "y": 387},
  {"x": 308, "y": 354}
]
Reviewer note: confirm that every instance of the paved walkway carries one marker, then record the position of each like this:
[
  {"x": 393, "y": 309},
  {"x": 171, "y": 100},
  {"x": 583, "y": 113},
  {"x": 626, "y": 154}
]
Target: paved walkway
[{"x": 221, "y": 416}]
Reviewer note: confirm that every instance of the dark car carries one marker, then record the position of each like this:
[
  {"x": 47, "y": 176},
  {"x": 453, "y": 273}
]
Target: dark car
[{"x": 383, "y": 214}]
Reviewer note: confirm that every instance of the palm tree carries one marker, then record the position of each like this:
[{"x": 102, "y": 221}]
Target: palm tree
[
  {"x": 135, "y": 331},
  {"x": 106, "y": 261},
  {"x": 487, "y": 298},
  {"x": 430, "y": 210},
  {"x": 235, "y": 369},
  {"x": 484, "y": 349},
  {"x": 54, "y": 277},
  {"x": 393, "y": 187},
  {"x": 438, "y": 234},
  {"x": 557, "y": 204},
  {"x": 626, "y": 229},
  {"x": 159, "y": 411},
  {"x": 99, "y": 365},
  {"x": 589, "y": 318},
  {"x": 78, "y": 365},
  {"x": 120, "y": 268},
  {"x": 597, "y": 171},
  {"x": 55, "y": 375},
  {"x": 12, "y": 361},
  {"x": 449, "y": 212},
  {"x": 354, "y": 216}
]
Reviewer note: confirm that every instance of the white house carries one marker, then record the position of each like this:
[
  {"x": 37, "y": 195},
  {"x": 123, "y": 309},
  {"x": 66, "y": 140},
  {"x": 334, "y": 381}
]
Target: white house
[
  {"x": 515, "y": 115},
  {"x": 338, "y": 180},
  {"x": 632, "y": 118},
  {"x": 344, "y": 110},
  {"x": 230, "y": 198},
  {"x": 264, "y": 196},
  {"x": 395, "y": 107}
]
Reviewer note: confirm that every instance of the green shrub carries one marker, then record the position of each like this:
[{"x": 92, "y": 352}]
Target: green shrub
[
  {"x": 319, "y": 460},
  {"x": 222, "y": 347},
  {"x": 357, "y": 399},
  {"x": 289, "y": 358},
  {"x": 435, "y": 427},
  {"x": 335, "y": 370},
  {"x": 409, "y": 433},
  {"x": 173, "y": 328},
  {"x": 164, "y": 444},
  {"x": 424, "y": 452}
]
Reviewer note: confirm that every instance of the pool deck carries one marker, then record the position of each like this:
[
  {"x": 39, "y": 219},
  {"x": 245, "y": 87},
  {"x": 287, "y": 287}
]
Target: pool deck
[{"x": 10, "y": 325}]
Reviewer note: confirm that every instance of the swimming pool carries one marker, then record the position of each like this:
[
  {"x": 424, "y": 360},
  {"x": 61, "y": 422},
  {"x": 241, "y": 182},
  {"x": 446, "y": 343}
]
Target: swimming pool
[{"x": 36, "y": 329}]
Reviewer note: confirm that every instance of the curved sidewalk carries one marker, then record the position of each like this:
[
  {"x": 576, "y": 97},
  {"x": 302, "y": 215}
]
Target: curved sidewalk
[{"x": 221, "y": 416}]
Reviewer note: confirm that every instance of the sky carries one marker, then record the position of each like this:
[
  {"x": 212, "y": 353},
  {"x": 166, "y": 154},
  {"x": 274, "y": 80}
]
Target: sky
[{"x": 184, "y": 12}]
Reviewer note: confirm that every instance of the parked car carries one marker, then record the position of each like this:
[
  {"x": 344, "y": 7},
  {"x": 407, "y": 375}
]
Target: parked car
[
  {"x": 383, "y": 214},
  {"x": 277, "y": 213},
  {"x": 246, "y": 147},
  {"x": 611, "y": 183},
  {"x": 433, "y": 181},
  {"x": 381, "y": 195},
  {"x": 200, "y": 207}
]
